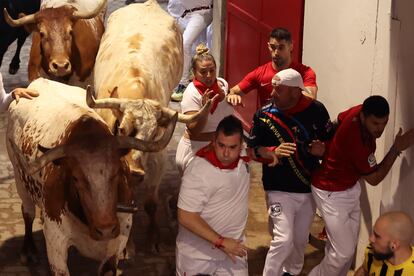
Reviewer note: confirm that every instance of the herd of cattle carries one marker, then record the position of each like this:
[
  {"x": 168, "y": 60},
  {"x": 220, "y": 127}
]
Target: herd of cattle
[{"x": 74, "y": 150}]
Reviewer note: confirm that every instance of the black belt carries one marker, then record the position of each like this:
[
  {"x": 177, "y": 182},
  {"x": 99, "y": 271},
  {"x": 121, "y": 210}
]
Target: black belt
[{"x": 196, "y": 9}]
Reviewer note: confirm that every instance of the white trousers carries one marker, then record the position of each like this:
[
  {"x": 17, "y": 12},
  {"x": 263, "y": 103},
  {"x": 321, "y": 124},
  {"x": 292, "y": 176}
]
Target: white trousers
[
  {"x": 186, "y": 151},
  {"x": 188, "y": 266},
  {"x": 291, "y": 215},
  {"x": 341, "y": 213},
  {"x": 193, "y": 25}
]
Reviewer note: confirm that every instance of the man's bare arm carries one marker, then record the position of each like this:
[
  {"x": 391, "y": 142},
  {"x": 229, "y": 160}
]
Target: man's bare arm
[
  {"x": 234, "y": 97},
  {"x": 196, "y": 224},
  {"x": 402, "y": 142}
]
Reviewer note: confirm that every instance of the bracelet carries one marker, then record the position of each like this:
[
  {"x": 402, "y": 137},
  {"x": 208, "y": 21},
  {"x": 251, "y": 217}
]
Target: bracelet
[
  {"x": 395, "y": 151},
  {"x": 219, "y": 242}
]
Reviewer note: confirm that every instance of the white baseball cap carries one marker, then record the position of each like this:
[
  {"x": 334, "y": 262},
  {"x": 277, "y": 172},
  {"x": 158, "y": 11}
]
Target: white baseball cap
[{"x": 288, "y": 77}]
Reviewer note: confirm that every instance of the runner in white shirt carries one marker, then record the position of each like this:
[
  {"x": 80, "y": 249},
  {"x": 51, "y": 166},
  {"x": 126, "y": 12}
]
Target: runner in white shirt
[
  {"x": 213, "y": 207},
  {"x": 16, "y": 94},
  {"x": 193, "y": 16},
  {"x": 204, "y": 86}
]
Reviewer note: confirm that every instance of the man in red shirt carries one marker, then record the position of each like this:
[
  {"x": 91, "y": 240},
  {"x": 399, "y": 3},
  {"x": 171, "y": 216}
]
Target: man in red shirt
[
  {"x": 335, "y": 186},
  {"x": 280, "y": 47}
]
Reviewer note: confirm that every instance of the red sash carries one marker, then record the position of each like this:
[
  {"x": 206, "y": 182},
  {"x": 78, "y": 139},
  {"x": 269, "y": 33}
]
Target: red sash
[{"x": 209, "y": 154}]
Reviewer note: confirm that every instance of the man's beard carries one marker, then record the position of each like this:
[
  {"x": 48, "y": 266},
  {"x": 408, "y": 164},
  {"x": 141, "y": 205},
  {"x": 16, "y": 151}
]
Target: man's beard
[
  {"x": 280, "y": 62},
  {"x": 383, "y": 256}
]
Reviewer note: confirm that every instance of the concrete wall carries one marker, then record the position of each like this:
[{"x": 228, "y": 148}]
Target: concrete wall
[{"x": 348, "y": 45}]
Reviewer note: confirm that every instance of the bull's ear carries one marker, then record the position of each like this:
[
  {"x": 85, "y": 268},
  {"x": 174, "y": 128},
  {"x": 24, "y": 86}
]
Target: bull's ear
[
  {"x": 55, "y": 194},
  {"x": 28, "y": 27}
]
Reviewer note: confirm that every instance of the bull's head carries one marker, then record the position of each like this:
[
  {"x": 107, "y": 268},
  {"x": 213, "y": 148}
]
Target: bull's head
[
  {"x": 90, "y": 176},
  {"x": 145, "y": 119},
  {"x": 53, "y": 33}
]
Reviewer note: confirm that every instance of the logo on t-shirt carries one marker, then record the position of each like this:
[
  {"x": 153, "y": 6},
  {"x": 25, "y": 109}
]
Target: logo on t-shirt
[
  {"x": 264, "y": 84},
  {"x": 275, "y": 209},
  {"x": 371, "y": 160}
]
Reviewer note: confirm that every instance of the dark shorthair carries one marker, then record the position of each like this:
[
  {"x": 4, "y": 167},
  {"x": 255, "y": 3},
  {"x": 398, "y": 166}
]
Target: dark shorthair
[
  {"x": 230, "y": 125},
  {"x": 281, "y": 34},
  {"x": 376, "y": 105}
]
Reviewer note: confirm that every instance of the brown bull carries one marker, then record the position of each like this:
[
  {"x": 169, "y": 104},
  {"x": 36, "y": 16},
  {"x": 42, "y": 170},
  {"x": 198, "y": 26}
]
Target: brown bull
[
  {"x": 77, "y": 183},
  {"x": 65, "y": 39}
]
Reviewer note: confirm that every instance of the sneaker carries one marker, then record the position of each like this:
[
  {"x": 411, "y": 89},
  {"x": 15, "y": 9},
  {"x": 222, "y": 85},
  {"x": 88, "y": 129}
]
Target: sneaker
[{"x": 177, "y": 95}]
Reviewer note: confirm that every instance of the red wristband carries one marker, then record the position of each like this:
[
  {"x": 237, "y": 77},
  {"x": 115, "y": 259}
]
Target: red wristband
[{"x": 219, "y": 242}]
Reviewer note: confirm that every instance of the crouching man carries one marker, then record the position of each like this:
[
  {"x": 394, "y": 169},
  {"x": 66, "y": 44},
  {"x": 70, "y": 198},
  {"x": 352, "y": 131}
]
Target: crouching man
[{"x": 213, "y": 207}]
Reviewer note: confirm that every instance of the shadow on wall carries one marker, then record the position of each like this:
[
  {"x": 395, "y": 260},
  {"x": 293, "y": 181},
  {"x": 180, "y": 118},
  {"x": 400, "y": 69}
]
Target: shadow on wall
[
  {"x": 365, "y": 207},
  {"x": 402, "y": 60},
  {"x": 403, "y": 197}
]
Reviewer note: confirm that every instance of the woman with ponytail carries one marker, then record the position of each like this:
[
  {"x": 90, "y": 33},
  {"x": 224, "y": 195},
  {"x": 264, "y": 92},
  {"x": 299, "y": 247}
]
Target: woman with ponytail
[{"x": 205, "y": 85}]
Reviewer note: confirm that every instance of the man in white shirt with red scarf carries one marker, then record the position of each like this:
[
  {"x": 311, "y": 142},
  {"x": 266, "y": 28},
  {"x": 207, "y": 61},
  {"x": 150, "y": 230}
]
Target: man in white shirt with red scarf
[{"x": 213, "y": 207}]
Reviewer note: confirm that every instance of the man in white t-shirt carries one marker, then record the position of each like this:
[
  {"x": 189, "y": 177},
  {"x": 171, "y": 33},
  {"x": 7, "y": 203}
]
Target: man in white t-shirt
[{"x": 213, "y": 207}]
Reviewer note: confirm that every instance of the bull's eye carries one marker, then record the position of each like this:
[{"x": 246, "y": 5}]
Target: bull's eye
[{"x": 42, "y": 34}]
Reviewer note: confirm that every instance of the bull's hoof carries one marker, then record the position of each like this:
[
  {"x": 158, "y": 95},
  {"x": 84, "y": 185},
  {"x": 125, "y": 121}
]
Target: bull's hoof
[
  {"x": 128, "y": 255},
  {"x": 171, "y": 210},
  {"x": 153, "y": 249},
  {"x": 28, "y": 258},
  {"x": 109, "y": 267},
  {"x": 28, "y": 254},
  {"x": 13, "y": 69}
]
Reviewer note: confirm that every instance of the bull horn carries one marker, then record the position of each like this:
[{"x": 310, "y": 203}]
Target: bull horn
[
  {"x": 91, "y": 14},
  {"x": 146, "y": 146},
  {"x": 186, "y": 119},
  {"x": 102, "y": 103},
  {"x": 18, "y": 22},
  {"x": 39, "y": 163},
  {"x": 46, "y": 158}
]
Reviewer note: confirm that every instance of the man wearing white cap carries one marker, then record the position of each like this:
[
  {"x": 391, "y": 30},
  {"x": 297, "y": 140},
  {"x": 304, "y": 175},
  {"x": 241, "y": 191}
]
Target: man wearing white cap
[{"x": 292, "y": 126}]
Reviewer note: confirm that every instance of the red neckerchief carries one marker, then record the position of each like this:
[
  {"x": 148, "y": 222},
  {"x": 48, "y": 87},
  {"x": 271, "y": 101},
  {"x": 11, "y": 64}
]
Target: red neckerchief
[
  {"x": 302, "y": 104},
  {"x": 209, "y": 154},
  {"x": 201, "y": 88}
]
